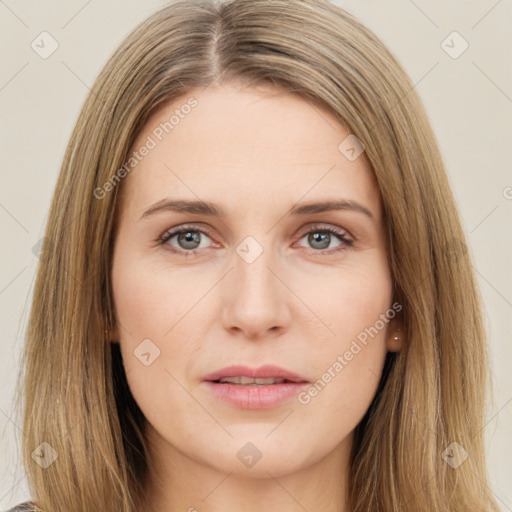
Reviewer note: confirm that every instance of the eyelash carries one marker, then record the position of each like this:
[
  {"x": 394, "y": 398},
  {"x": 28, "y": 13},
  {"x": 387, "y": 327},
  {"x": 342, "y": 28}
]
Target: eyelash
[{"x": 340, "y": 234}]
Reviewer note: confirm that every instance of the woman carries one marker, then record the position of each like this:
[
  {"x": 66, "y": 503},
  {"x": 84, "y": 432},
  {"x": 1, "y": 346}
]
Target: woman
[{"x": 256, "y": 292}]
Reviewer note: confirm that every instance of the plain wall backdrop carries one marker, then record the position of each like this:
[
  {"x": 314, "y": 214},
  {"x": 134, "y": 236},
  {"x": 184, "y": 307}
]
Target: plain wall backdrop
[{"x": 458, "y": 55}]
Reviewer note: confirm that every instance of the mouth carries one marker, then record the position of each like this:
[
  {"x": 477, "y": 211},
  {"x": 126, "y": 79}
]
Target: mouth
[
  {"x": 249, "y": 381},
  {"x": 264, "y": 375},
  {"x": 262, "y": 388}
]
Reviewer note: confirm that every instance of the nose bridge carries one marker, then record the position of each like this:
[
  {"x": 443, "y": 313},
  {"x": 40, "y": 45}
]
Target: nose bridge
[
  {"x": 256, "y": 301},
  {"x": 252, "y": 261}
]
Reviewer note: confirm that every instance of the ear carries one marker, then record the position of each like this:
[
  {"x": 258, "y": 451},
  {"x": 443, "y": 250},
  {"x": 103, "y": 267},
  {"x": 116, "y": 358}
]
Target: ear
[{"x": 395, "y": 335}]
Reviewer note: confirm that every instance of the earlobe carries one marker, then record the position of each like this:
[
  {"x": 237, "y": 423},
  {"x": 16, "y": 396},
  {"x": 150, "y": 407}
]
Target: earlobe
[
  {"x": 395, "y": 344},
  {"x": 395, "y": 337}
]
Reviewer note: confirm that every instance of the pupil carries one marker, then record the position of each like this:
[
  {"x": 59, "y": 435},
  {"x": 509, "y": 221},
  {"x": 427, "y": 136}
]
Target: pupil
[
  {"x": 322, "y": 238},
  {"x": 189, "y": 238}
]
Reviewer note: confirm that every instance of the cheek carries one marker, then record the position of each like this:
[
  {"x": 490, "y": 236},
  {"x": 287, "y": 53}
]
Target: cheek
[
  {"x": 347, "y": 366},
  {"x": 153, "y": 311},
  {"x": 339, "y": 399},
  {"x": 349, "y": 299},
  {"x": 158, "y": 322},
  {"x": 349, "y": 357},
  {"x": 150, "y": 298}
]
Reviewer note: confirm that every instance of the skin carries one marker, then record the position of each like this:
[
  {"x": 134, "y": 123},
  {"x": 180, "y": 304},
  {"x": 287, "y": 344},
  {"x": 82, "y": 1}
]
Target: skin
[{"x": 256, "y": 152}]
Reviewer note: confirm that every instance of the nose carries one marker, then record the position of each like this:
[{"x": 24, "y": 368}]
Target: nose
[{"x": 256, "y": 299}]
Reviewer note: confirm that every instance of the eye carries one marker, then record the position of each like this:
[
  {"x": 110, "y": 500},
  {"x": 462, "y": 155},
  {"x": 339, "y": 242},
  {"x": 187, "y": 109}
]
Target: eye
[
  {"x": 188, "y": 240},
  {"x": 320, "y": 237}
]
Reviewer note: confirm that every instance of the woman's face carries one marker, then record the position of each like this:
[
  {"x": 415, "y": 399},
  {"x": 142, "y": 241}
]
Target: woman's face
[{"x": 254, "y": 285}]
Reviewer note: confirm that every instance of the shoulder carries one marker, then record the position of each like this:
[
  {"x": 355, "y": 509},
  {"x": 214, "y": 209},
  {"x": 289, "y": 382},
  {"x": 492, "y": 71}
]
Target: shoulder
[{"x": 23, "y": 507}]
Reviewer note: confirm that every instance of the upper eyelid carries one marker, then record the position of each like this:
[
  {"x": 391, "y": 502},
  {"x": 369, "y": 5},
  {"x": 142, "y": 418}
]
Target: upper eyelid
[
  {"x": 323, "y": 225},
  {"x": 184, "y": 227}
]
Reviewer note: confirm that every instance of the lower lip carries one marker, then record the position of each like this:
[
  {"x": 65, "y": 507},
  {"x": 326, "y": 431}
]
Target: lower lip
[{"x": 256, "y": 397}]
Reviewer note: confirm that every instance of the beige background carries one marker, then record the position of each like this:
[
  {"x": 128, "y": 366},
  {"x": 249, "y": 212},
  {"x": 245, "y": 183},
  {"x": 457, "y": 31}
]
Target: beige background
[{"x": 469, "y": 100}]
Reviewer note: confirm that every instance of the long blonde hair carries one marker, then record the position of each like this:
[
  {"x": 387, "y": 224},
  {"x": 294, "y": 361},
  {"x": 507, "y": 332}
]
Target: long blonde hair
[{"x": 432, "y": 393}]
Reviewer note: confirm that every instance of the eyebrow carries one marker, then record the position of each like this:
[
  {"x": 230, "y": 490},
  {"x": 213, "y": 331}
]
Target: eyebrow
[{"x": 213, "y": 210}]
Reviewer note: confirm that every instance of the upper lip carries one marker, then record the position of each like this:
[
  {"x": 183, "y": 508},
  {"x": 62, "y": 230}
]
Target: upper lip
[{"x": 265, "y": 371}]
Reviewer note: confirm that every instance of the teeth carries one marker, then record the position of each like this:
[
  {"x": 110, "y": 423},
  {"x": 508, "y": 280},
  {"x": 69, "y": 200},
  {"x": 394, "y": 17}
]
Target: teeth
[{"x": 244, "y": 381}]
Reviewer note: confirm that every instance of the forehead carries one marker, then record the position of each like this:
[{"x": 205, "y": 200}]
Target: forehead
[{"x": 237, "y": 143}]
